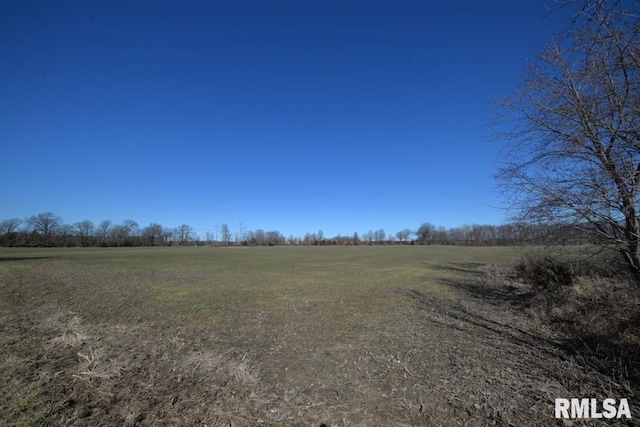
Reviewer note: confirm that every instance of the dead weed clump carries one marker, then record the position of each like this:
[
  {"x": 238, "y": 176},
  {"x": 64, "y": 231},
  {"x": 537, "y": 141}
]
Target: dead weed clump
[
  {"x": 72, "y": 329},
  {"x": 140, "y": 376},
  {"x": 545, "y": 272},
  {"x": 555, "y": 342},
  {"x": 593, "y": 312},
  {"x": 598, "y": 321},
  {"x": 556, "y": 269}
]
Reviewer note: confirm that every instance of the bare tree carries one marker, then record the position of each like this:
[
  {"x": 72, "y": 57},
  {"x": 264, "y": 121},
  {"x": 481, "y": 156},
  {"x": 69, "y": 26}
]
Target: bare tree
[
  {"x": 9, "y": 225},
  {"x": 209, "y": 237},
  {"x": 130, "y": 227},
  {"x": 225, "y": 234},
  {"x": 153, "y": 235},
  {"x": 46, "y": 224},
  {"x": 184, "y": 234},
  {"x": 124, "y": 234},
  {"x": 103, "y": 232},
  {"x": 426, "y": 233},
  {"x": 258, "y": 237},
  {"x": 85, "y": 230},
  {"x": 308, "y": 238},
  {"x": 241, "y": 234},
  {"x": 274, "y": 238},
  {"x": 167, "y": 235},
  {"x": 403, "y": 235},
  {"x": 573, "y": 135},
  {"x": 66, "y": 232}
]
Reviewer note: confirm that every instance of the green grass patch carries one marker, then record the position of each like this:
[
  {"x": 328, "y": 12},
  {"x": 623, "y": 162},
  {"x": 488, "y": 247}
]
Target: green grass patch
[{"x": 163, "y": 284}]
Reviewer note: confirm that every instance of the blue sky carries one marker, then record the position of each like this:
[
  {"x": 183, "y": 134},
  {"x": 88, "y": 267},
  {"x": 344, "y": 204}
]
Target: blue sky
[{"x": 282, "y": 115}]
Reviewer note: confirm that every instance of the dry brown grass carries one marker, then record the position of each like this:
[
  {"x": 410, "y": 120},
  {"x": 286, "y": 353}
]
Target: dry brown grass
[
  {"x": 598, "y": 322},
  {"x": 345, "y": 337}
]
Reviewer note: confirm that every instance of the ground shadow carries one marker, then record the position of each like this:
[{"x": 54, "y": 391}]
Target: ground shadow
[
  {"x": 496, "y": 295},
  {"x": 34, "y": 258},
  {"x": 462, "y": 318},
  {"x": 461, "y": 267},
  {"x": 603, "y": 350},
  {"x": 606, "y": 352}
]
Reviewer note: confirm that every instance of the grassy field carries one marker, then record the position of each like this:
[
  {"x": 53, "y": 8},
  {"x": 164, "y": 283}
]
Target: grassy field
[{"x": 402, "y": 335}]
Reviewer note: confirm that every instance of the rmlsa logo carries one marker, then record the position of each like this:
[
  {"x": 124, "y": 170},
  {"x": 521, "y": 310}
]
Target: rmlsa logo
[{"x": 591, "y": 408}]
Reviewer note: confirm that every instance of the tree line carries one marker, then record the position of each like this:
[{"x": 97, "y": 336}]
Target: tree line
[{"x": 49, "y": 230}]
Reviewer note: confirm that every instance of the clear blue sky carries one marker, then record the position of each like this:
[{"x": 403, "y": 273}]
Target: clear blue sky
[{"x": 282, "y": 115}]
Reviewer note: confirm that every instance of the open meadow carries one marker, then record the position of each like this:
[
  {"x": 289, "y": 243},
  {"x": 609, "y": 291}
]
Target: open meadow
[{"x": 300, "y": 336}]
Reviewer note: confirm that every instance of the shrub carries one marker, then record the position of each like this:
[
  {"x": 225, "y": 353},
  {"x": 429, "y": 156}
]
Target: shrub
[{"x": 545, "y": 272}]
